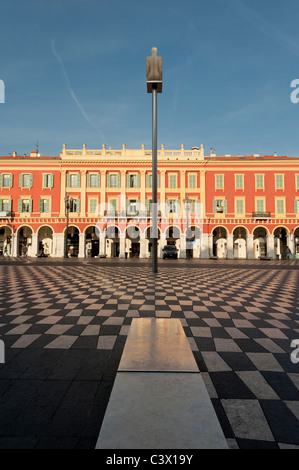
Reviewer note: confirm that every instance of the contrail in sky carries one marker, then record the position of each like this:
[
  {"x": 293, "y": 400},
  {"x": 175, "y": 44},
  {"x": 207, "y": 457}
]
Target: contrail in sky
[{"x": 86, "y": 117}]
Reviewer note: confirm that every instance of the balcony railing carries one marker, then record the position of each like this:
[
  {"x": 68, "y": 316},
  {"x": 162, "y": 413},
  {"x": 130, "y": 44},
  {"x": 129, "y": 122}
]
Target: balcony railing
[{"x": 261, "y": 215}]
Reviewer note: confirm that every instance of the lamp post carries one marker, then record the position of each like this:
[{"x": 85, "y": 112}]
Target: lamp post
[
  {"x": 68, "y": 201},
  {"x": 187, "y": 201},
  {"x": 154, "y": 86}
]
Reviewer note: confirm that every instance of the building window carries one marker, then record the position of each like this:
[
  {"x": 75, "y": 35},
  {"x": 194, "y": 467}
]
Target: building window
[
  {"x": 5, "y": 205},
  {"x": 192, "y": 181},
  {"x": 44, "y": 205},
  {"x": 296, "y": 206},
  {"x": 25, "y": 205},
  {"x": 133, "y": 181},
  {"x": 260, "y": 205},
  {"x": 6, "y": 180},
  {"x": 172, "y": 181},
  {"x": 220, "y": 206},
  {"x": 173, "y": 206},
  {"x": 133, "y": 206},
  {"x": 149, "y": 180},
  {"x": 93, "y": 204},
  {"x": 219, "y": 182},
  {"x": 280, "y": 206},
  {"x": 239, "y": 181},
  {"x": 48, "y": 181},
  {"x": 279, "y": 182},
  {"x": 113, "y": 181},
  {"x": 297, "y": 181},
  {"x": 112, "y": 205},
  {"x": 93, "y": 180},
  {"x": 259, "y": 181},
  {"x": 240, "y": 206},
  {"x": 75, "y": 205},
  {"x": 73, "y": 181},
  {"x": 26, "y": 180}
]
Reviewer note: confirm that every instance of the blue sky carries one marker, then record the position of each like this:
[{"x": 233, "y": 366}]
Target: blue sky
[{"x": 74, "y": 73}]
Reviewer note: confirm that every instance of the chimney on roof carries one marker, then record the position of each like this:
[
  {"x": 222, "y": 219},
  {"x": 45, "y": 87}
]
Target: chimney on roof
[{"x": 14, "y": 154}]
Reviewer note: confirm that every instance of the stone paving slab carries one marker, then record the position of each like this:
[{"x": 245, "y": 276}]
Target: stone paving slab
[{"x": 239, "y": 318}]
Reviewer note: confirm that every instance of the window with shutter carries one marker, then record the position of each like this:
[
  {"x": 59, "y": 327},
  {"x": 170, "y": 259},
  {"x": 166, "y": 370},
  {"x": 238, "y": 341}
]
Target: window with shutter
[
  {"x": 259, "y": 181},
  {"x": 260, "y": 206},
  {"x": 239, "y": 181},
  {"x": 93, "y": 205},
  {"x": 219, "y": 181},
  {"x": 172, "y": 181},
  {"x": 239, "y": 206},
  {"x": 192, "y": 181},
  {"x": 279, "y": 181},
  {"x": 280, "y": 206}
]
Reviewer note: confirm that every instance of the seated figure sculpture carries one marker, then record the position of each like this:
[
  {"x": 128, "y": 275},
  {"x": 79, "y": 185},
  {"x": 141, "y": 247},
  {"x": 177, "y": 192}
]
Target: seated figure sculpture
[{"x": 154, "y": 71}]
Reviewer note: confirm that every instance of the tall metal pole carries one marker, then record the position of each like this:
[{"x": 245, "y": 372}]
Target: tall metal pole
[
  {"x": 154, "y": 86},
  {"x": 66, "y": 202},
  {"x": 154, "y": 180}
]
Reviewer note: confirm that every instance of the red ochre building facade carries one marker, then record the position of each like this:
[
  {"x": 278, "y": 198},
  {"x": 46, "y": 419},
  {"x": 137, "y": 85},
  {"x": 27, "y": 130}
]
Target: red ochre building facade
[{"x": 234, "y": 207}]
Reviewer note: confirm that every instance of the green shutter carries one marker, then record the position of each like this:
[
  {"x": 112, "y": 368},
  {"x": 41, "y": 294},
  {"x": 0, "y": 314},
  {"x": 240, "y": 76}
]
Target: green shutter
[
  {"x": 158, "y": 181},
  {"x": 280, "y": 206},
  {"x": 239, "y": 181},
  {"x": 127, "y": 205},
  {"x": 1, "y": 205},
  {"x": 219, "y": 181},
  {"x": 78, "y": 181},
  {"x": 214, "y": 206},
  {"x": 147, "y": 205},
  {"x": 68, "y": 180},
  {"x": 51, "y": 181},
  {"x": 148, "y": 180},
  {"x": 118, "y": 181},
  {"x": 99, "y": 181},
  {"x": 225, "y": 206},
  {"x": 41, "y": 205},
  {"x": 47, "y": 208},
  {"x": 108, "y": 181},
  {"x": 239, "y": 206},
  {"x": 296, "y": 206},
  {"x": 92, "y": 205},
  {"x": 30, "y": 205},
  {"x": 31, "y": 181},
  {"x": 88, "y": 181},
  {"x": 1, "y": 181},
  {"x": 20, "y": 205},
  {"x": 21, "y": 181},
  {"x": 11, "y": 180},
  {"x": 128, "y": 181},
  {"x": 10, "y": 205},
  {"x": 260, "y": 205},
  {"x": 45, "y": 181},
  {"x": 138, "y": 181},
  {"x": 78, "y": 204}
]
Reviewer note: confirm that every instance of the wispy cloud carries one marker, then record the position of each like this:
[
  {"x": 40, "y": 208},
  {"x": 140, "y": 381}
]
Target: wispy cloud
[
  {"x": 72, "y": 93},
  {"x": 260, "y": 23}
]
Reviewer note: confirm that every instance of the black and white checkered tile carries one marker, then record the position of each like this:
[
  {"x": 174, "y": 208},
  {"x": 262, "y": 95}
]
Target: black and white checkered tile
[{"x": 240, "y": 324}]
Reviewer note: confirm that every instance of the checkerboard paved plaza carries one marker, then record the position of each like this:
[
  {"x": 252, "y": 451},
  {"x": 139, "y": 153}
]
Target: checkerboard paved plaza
[{"x": 64, "y": 326}]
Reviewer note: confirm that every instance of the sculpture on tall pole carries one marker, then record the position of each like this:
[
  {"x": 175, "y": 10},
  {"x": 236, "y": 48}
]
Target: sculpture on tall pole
[{"x": 154, "y": 86}]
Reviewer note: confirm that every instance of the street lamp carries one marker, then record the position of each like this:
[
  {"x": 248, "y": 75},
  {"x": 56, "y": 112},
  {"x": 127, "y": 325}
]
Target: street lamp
[
  {"x": 68, "y": 201},
  {"x": 154, "y": 86}
]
